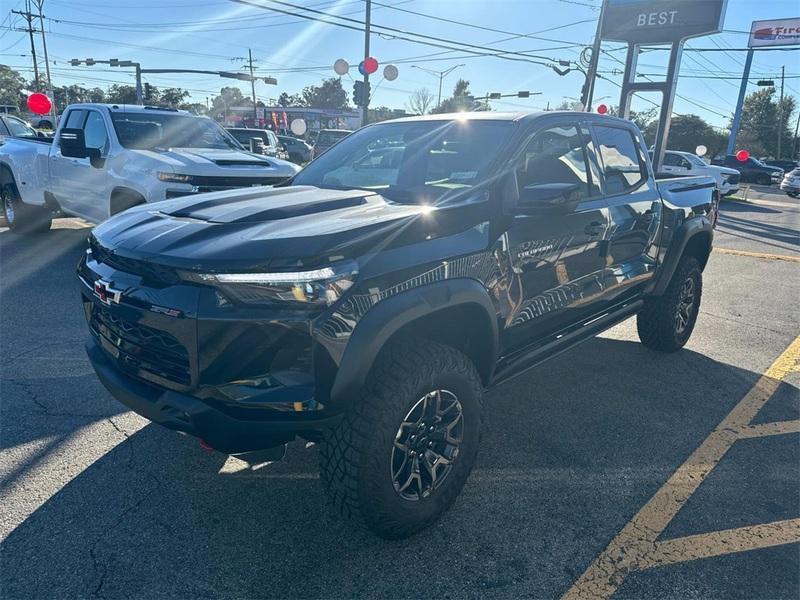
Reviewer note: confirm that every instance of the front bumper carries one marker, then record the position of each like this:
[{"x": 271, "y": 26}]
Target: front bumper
[
  {"x": 790, "y": 186},
  {"x": 187, "y": 414}
]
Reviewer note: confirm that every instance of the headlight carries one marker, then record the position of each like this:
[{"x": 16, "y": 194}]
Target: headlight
[
  {"x": 320, "y": 287},
  {"x": 174, "y": 177}
]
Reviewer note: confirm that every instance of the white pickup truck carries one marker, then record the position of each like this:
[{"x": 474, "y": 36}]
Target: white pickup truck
[
  {"x": 685, "y": 164},
  {"x": 105, "y": 158}
]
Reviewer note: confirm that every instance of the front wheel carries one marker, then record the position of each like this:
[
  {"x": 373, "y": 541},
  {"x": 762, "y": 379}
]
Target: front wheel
[
  {"x": 764, "y": 180},
  {"x": 21, "y": 217},
  {"x": 666, "y": 322},
  {"x": 404, "y": 450}
]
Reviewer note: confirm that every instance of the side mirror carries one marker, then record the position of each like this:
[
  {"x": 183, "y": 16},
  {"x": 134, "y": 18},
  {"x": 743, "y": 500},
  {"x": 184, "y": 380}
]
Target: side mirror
[
  {"x": 73, "y": 144},
  {"x": 541, "y": 197},
  {"x": 256, "y": 145}
]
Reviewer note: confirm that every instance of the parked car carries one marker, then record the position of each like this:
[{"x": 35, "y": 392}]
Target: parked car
[
  {"x": 299, "y": 151},
  {"x": 752, "y": 170},
  {"x": 371, "y": 320},
  {"x": 15, "y": 127},
  {"x": 326, "y": 138},
  {"x": 685, "y": 163},
  {"x": 791, "y": 183},
  {"x": 106, "y": 158},
  {"x": 270, "y": 144},
  {"x": 785, "y": 165}
]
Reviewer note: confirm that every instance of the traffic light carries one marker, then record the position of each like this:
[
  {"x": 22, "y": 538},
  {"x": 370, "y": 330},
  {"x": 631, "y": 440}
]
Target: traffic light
[
  {"x": 361, "y": 93},
  {"x": 148, "y": 92},
  {"x": 766, "y": 82},
  {"x": 114, "y": 62},
  {"x": 75, "y": 62},
  {"x": 523, "y": 94},
  {"x": 89, "y": 62}
]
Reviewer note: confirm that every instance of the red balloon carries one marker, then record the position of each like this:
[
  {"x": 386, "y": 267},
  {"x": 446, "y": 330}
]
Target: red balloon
[
  {"x": 742, "y": 155},
  {"x": 370, "y": 65},
  {"x": 602, "y": 109},
  {"x": 39, "y": 104}
]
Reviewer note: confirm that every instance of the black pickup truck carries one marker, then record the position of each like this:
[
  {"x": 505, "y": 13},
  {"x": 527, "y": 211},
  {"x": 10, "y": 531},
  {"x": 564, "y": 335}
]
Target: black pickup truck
[{"x": 368, "y": 304}]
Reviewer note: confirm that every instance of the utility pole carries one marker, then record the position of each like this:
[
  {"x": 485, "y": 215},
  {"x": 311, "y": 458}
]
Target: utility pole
[
  {"x": 53, "y": 108},
  {"x": 29, "y": 18},
  {"x": 441, "y": 75},
  {"x": 365, "y": 107},
  {"x": 253, "y": 87},
  {"x": 737, "y": 115},
  {"x": 780, "y": 113}
]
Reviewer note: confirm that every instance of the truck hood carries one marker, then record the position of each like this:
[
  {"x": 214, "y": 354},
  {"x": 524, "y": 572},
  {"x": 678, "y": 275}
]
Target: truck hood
[
  {"x": 214, "y": 161},
  {"x": 721, "y": 170},
  {"x": 258, "y": 228}
]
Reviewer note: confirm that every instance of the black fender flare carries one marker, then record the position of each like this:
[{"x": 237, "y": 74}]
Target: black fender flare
[
  {"x": 680, "y": 239},
  {"x": 121, "y": 190},
  {"x": 387, "y": 317}
]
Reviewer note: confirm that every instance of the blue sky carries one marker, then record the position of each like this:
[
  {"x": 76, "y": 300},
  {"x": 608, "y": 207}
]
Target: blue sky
[{"x": 215, "y": 34}]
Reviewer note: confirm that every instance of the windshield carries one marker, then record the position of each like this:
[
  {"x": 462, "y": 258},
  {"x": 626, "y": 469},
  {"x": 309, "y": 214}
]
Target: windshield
[
  {"x": 151, "y": 131},
  {"x": 414, "y": 162},
  {"x": 328, "y": 138}
]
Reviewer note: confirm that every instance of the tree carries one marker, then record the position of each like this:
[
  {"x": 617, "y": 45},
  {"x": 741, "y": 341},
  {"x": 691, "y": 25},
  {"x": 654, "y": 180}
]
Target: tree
[
  {"x": 762, "y": 118},
  {"x": 460, "y": 101},
  {"x": 12, "y": 87},
  {"x": 330, "y": 94},
  {"x": 197, "y": 108},
  {"x": 287, "y": 100},
  {"x": 172, "y": 97},
  {"x": 121, "y": 94},
  {"x": 70, "y": 94},
  {"x": 228, "y": 96},
  {"x": 420, "y": 102},
  {"x": 687, "y": 132}
]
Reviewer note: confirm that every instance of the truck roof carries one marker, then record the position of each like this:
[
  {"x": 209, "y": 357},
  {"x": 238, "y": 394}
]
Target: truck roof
[{"x": 129, "y": 108}]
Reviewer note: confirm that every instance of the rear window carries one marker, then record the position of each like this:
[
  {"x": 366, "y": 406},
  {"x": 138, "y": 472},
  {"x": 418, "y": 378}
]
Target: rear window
[
  {"x": 622, "y": 162},
  {"x": 327, "y": 138}
]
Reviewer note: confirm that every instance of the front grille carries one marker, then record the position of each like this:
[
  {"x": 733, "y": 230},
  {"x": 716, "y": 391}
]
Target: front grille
[
  {"x": 149, "y": 271},
  {"x": 223, "y": 182},
  {"x": 140, "y": 349}
]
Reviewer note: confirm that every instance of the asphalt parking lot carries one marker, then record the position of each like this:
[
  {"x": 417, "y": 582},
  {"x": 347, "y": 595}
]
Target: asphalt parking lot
[{"x": 611, "y": 471}]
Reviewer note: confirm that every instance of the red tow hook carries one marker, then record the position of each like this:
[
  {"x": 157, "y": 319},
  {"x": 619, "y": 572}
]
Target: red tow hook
[{"x": 206, "y": 446}]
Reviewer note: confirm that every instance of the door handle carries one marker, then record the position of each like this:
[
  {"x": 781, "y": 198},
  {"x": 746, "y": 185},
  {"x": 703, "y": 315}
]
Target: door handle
[{"x": 594, "y": 228}]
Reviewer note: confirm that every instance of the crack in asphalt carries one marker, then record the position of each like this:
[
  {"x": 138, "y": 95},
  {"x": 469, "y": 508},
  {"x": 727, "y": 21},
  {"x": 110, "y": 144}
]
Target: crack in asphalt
[
  {"x": 741, "y": 322},
  {"x": 27, "y": 388}
]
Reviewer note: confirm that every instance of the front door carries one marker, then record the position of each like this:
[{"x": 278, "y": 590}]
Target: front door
[
  {"x": 80, "y": 187},
  {"x": 554, "y": 261}
]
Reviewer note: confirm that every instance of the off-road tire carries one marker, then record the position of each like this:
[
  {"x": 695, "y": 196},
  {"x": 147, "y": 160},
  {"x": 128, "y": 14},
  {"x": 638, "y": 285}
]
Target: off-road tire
[
  {"x": 656, "y": 323},
  {"x": 355, "y": 457},
  {"x": 21, "y": 217},
  {"x": 764, "y": 179}
]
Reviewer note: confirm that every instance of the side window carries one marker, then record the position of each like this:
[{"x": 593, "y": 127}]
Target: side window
[
  {"x": 622, "y": 162},
  {"x": 75, "y": 119},
  {"x": 3, "y": 128},
  {"x": 671, "y": 160},
  {"x": 273, "y": 139},
  {"x": 555, "y": 155},
  {"x": 19, "y": 128},
  {"x": 685, "y": 163},
  {"x": 94, "y": 132}
]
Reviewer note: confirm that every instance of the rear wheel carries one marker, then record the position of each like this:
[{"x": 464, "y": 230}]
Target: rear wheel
[
  {"x": 764, "y": 179},
  {"x": 404, "y": 450},
  {"x": 666, "y": 322},
  {"x": 21, "y": 217}
]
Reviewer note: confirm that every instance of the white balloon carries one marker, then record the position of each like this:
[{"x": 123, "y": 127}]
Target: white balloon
[
  {"x": 298, "y": 127},
  {"x": 390, "y": 73},
  {"x": 341, "y": 66},
  {"x": 701, "y": 150}
]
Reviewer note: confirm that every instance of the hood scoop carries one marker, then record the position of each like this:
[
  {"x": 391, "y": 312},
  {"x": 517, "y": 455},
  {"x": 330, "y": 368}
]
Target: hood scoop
[
  {"x": 270, "y": 205},
  {"x": 241, "y": 163}
]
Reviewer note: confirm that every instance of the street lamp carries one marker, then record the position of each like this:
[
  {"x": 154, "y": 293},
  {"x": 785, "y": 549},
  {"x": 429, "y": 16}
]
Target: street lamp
[{"x": 441, "y": 75}]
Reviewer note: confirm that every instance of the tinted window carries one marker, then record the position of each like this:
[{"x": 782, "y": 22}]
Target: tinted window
[
  {"x": 147, "y": 131},
  {"x": 672, "y": 160},
  {"x": 75, "y": 119},
  {"x": 555, "y": 155},
  {"x": 94, "y": 132},
  {"x": 3, "y": 128},
  {"x": 622, "y": 163}
]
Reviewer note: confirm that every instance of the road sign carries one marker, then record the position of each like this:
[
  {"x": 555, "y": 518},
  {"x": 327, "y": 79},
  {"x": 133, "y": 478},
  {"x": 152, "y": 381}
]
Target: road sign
[
  {"x": 661, "y": 21},
  {"x": 776, "y": 32}
]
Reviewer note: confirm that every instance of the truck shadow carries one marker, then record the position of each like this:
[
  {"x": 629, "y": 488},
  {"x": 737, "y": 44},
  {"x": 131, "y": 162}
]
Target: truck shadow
[{"x": 571, "y": 451}]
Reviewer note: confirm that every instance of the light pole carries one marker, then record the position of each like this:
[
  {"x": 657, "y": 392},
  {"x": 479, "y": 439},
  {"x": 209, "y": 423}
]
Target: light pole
[{"x": 441, "y": 75}]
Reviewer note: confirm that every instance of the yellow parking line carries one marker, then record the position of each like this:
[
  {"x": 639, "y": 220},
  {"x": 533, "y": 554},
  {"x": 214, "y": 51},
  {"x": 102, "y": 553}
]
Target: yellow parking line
[
  {"x": 630, "y": 549},
  {"x": 758, "y": 254},
  {"x": 766, "y": 429},
  {"x": 719, "y": 543}
]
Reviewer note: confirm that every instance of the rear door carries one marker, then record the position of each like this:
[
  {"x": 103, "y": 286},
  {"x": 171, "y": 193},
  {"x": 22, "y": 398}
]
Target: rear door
[
  {"x": 555, "y": 265},
  {"x": 634, "y": 205}
]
